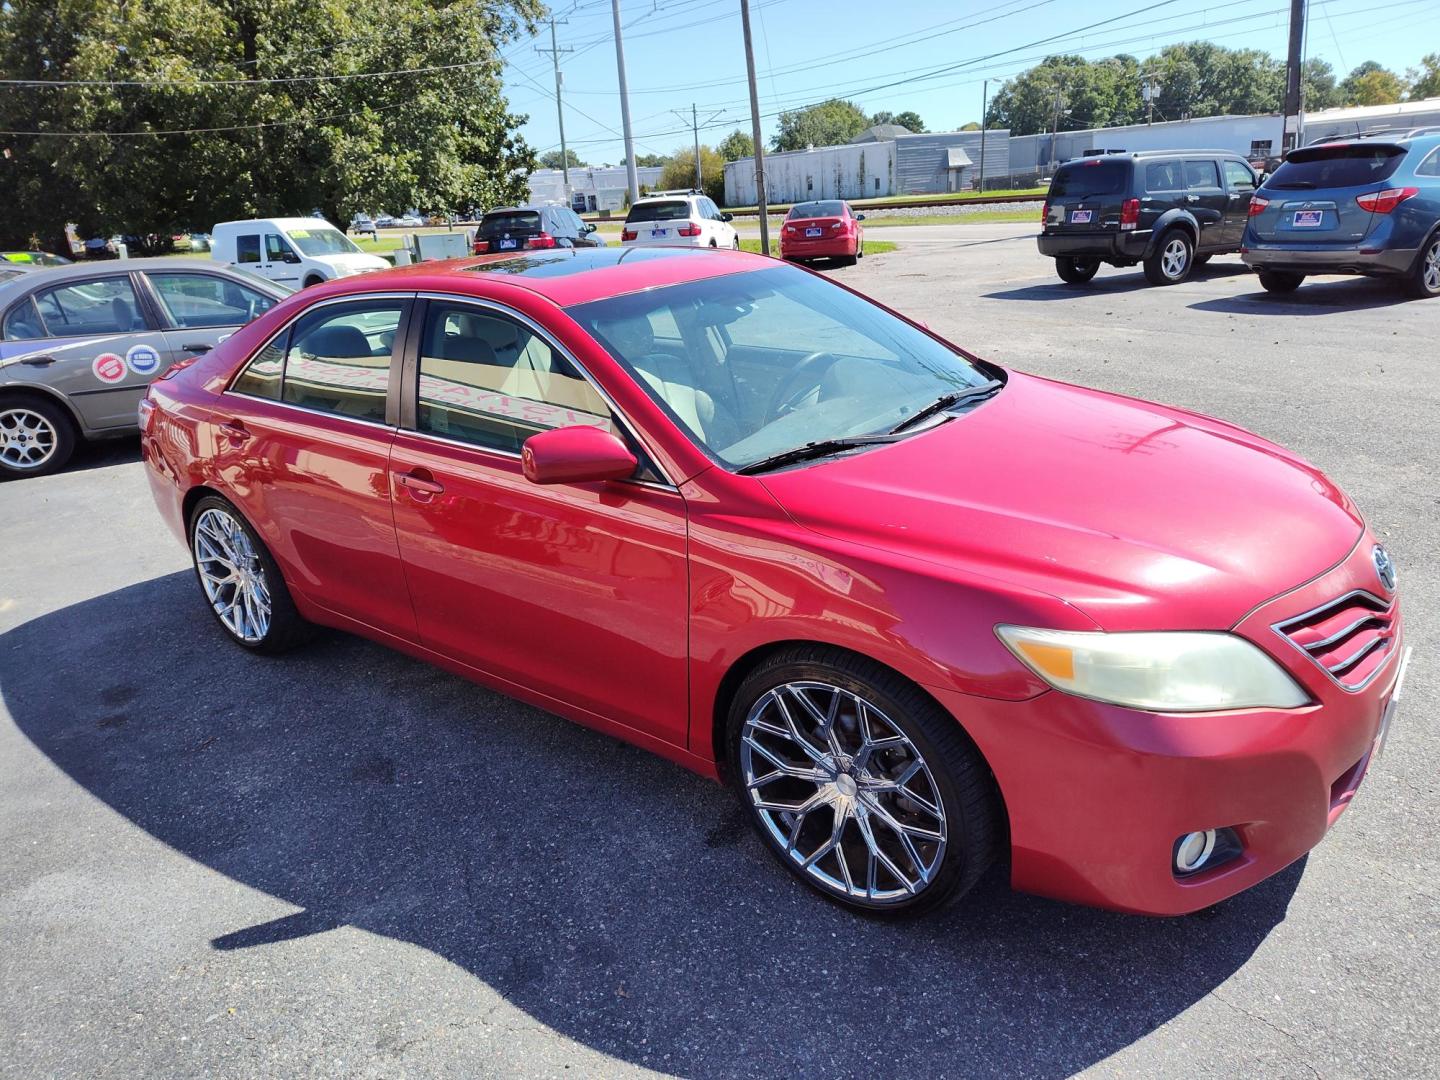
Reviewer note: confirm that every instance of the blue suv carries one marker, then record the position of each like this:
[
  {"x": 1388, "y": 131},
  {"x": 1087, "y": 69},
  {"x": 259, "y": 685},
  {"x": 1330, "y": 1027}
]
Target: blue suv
[{"x": 1362, "y": 206}]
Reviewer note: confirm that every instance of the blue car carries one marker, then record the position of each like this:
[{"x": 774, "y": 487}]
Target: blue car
[{"x": 1362, "y": 206}]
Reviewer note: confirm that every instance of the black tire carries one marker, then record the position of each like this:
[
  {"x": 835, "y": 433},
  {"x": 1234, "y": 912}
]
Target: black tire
[
  {"x": 859, "y": 250},
  {"x": 313, "y": 280},
  {"x": 1423, "y": 282},
  {"x": 954, "y": 775},
  {"x": 1076, "y": 271},
  {"x": 286, "y": 629},
  {"x": 28, "y": 421},
  {"x": 1278, "y": 281},
  {"x": 1175, "y": 247}
]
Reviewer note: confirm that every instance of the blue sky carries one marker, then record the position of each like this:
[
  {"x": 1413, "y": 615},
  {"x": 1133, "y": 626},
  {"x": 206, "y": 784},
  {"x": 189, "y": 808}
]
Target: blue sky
[{"x": 683, "y": 51}]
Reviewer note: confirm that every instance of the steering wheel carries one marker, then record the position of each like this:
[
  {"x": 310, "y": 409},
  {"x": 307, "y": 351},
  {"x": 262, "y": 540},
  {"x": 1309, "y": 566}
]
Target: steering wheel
[{"x": 803, "y": 377}]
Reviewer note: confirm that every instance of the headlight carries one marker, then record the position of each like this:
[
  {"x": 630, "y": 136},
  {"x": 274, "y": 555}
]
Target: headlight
[{"x": 1171, "y": 671}]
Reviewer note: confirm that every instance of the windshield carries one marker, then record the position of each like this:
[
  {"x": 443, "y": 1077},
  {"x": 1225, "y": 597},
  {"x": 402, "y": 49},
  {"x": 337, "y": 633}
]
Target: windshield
[
  {"x": 755, "y": 364},
  {"x": 1083, "y": 179},
  {"x": 828, "y": 208},
  {"x": 1337, "y": 166},
  {"x": 659, "y": 211},
  {"x": 322, "y": 241}
]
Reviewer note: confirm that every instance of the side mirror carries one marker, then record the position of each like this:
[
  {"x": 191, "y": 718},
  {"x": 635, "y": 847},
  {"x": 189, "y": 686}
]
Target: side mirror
[
  {"x": 590, "y": 227},
  {"x": 575, "y": 455},
  {"x": 727, "y": 217},
  {"x": 859, "y": 217},
  {"x": 291, "y": 257}
]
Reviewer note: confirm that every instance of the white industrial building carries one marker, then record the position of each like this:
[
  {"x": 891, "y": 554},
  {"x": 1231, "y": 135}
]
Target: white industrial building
[
  {"x": 885, "y": 160},
  {"x": 592, "y": 187}
]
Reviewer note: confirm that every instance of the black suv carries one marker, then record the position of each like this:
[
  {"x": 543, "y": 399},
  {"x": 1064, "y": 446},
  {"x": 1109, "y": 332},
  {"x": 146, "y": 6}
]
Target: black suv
[
  {"x": 1168, "y": 209},
  {"x": 516, "y": 228}
]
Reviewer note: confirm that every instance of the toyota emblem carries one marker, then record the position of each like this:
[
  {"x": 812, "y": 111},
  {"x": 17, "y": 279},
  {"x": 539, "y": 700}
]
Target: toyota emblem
[{"x": 1384, "y": 567}]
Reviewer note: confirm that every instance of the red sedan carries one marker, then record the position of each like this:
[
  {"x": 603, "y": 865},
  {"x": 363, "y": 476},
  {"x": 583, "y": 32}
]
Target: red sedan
[
  {"x": 827, "y": 229},
  {"x": 921, "y": 611}
]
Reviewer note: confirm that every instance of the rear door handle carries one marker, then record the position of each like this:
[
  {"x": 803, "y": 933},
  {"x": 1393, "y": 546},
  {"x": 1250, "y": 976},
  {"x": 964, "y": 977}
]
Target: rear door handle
[
  {"x": 422, "y": 486},
  {"x": 196, "y": 347},
  {"x": 38, "y": 361},
  {"x": 235, "y": 432}
]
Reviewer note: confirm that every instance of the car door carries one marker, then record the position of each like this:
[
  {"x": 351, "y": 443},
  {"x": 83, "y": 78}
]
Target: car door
[
  {"x": 94, "y": 340},
  {"x": 279, "y": 262},
  {"x": 200, "y": 309},
  {"x": 302, "y": 443},
  {"x": 1206, "y": 200},
  {"x": 574, "y": 591},
  {"x": 1240, "y": 186}
]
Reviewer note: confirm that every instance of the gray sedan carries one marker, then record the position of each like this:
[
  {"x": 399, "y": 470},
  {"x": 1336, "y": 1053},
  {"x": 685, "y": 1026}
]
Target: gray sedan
[{"x": 79, "y": 344}]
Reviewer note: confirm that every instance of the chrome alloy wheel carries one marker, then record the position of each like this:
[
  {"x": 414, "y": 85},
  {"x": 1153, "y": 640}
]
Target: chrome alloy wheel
[
  {"x": 27, "y": 439},
  {"x": 843, "y": 791},
  {"x": 1430, "y": 272},
  {"x": 232, "y": 575},
  {"x": 1174, "y": 258}
]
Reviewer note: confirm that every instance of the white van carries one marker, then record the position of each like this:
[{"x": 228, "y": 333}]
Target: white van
[{"x": 297, "y": 252}]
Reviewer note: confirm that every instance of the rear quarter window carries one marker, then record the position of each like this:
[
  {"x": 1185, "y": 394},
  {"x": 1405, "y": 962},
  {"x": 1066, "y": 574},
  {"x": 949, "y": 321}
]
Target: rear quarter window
[
  {"x": 1085, "y": 178},
  {"x": 1345, "y": 165}
]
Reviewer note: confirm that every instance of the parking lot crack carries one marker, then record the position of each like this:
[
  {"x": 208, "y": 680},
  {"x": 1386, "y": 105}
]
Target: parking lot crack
[{"x": 1265, "y": 1023}]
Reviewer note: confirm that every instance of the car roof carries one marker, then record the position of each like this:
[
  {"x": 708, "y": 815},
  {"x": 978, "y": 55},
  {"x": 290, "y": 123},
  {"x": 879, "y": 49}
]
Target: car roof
[
  {"x": 1131, "y": 155},
  {"x": 565, "y": 276},
  {"x": 282, "y": 222},
  {"x": 40, "y": 276}
]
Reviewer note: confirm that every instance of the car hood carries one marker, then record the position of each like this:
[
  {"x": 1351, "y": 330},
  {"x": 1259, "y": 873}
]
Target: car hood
[
  {"x": 1140, "y": 515},
  {"x": 353, "y": 262}
]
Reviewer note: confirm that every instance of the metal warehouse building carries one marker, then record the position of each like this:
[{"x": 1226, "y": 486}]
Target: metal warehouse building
[
  {"x": 877, "y": 162},
  {"x": 602, "y": 187}
]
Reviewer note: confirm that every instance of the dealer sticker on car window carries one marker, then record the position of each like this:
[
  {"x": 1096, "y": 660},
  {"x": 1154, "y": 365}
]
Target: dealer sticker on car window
[
  {"x": 1080, "y": 217},
  {"x": 1308, "y": 219}
]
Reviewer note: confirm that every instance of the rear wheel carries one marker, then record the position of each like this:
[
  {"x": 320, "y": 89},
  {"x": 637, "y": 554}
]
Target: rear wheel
[
  {"x": 1424, "y": 282},
  {"x": 1173, "y": 259},
  {"x": 1278, "y": 281},
  {"x": 241, "y": 581},
  {"x": 36, "y": 437},
  {"x": 1076, "y": 271},
  {"x": 860, "y": 784}
]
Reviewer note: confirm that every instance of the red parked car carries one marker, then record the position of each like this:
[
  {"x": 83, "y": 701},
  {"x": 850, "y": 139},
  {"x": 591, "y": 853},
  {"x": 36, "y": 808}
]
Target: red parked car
[
  {"x": 923, "y": 612},
  {"x": 827, "y": 229}
]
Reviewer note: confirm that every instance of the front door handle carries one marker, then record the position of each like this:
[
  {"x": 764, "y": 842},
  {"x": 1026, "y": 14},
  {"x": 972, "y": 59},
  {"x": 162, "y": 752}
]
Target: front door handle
[
  {"x": 421, "y": 484},
  {"x": 38, "y": 361},
  {"x": 197, "y": 347},
  {"x": 235, "y": 432},
  {"x": 1192, "y": 198}
]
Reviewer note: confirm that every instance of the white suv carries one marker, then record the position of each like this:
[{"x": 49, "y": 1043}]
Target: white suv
[{"x": 686, "y": 219}]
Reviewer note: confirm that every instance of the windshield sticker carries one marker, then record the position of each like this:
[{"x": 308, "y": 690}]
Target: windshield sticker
[
  {"x": 109, "y": 367},
  {"x": 142, "y": 359},
  {"x": 299, "y": 234}
]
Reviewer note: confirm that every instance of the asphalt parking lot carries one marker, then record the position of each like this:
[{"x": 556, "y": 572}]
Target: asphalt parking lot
[{"x": 346, "y": 863}]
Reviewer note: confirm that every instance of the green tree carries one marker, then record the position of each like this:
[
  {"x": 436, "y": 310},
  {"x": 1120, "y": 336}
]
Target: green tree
[
  {"x": 1372, "y": 84},
  {"x": 909, "y": 120},
  {"x": 1200, "y": 78},
  {"x": 1099, "y": 94},
  {"x": 649, "y": 161},
  {"x": 680, "y": 172},
  {"x": 555, "y": 160},
  {"x": 829, "y": 123},
  {"x": 1318, "y": 86},
  {"x": 441, "y": 140},
  {"x": 971, "y": 126},
  {"x": 736, "y": 145},
  {"x": 1425, "y": 80}
]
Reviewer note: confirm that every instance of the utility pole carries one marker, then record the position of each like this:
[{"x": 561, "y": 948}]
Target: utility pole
[
  {"x": 1291, "y": 135},
  {"x": 755, "y": 131},
  {"x": 984, "y": 108},
  {"x": 695, "y": 131},
  {"x": 630, "y": 175},
  {"x": 1055, "y": 132},
  {"x": 555, "y": 52}
]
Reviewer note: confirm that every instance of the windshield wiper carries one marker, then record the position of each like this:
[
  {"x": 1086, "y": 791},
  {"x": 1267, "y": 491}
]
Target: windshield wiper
[
  {"x": 819, "y": 449},
  {"x": 947, "y": 401}
]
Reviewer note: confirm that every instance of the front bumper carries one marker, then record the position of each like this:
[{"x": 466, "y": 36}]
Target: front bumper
[
  {"x": 1106, "y": 246},
  {"x": 1365, "y": 259},
  {"x": 1097, "y": 795}
]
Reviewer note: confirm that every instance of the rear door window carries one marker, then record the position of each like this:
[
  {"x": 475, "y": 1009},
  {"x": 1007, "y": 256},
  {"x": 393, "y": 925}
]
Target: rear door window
[
  {"x": 339, "y": 359},
  {"x": 1164, "y": 176},
  {"x": 1084, "y": 179},
  {"x": 97, "y": 306},
  {"x": 1339, "y": 166},
  {"x": 247, "y": 248}
]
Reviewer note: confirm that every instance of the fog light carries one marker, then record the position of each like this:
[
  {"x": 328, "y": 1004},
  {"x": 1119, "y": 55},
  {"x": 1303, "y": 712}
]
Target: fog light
[{"x": 1193, "y": 851}]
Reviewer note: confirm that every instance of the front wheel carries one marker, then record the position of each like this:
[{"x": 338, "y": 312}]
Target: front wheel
[
  {"x": 1172, "y": 261},
  {"x": 1424, "y": 282},
  {"x": 859, "y": 783},
  {"x": 1076, "y": 271},
  {"x": 36, "y": 437},
  {"x": 1277, "y": 281},
  {"x": 241, "y": 582}
]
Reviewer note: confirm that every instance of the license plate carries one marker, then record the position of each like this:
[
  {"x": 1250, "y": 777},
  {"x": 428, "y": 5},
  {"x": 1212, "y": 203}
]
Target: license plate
[
  {"x": 658, "y": 232},
  {"x": 1309, "y": 219},
  {"x": 509, "y": 245},
  {"x": 812, "y": 232},
  {"x": 1081, "y": 217}
]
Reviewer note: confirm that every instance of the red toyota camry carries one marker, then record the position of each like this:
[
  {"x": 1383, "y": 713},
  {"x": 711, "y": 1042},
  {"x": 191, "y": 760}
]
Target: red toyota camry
[
  {"x": 827, "y": 229},
  {"x": 922, "y": 612}
]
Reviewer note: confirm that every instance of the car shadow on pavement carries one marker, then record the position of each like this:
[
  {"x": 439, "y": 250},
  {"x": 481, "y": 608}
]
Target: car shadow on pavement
[
  {"x": 612, "y": 896},
  {"x": 1110, "y": 283},
  {"x": 1334, "y": 297}
]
